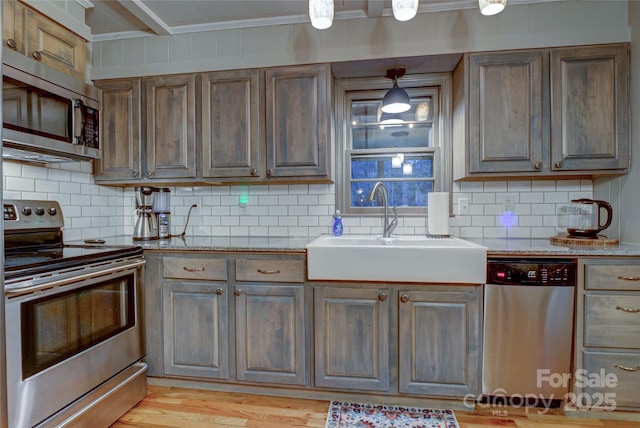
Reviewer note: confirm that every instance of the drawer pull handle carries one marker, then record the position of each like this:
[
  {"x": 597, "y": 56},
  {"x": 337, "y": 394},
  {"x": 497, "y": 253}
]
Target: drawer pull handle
[
  {"x": 629, "y": 278},
  {"x": 631, "y": 310},
  {"x": 219, "y": 291},
  {"x": 36, "y": 55},
  {"x": 404, "y": 298},
  {"x": 193, "y": 269},
  {"x": 237, "y": 292},
  {"x": 627, "y": 369},
  {"x": 382, "y": 296},
  {"x": 268, "y": 271}
]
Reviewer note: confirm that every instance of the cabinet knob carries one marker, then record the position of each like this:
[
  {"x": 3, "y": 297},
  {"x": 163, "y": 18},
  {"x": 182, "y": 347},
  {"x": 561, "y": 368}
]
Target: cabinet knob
[
  {"x": 134, "y": 174},
  {"x": 36, "y": 55},
  {"x": 537, "y": 165},
  {"x": 237, "y": 292},
  {"x": 382, "y": 296},
  {"x": 253, "y": 172},
  {"x": 219, "y": 291},
  {"x": 150, "y": 174},
  {"x": 404, "y": 298},
  {"x": 270, "y": 172},
  {"x": 559, "y": 164},
  {"x": 12, "y": 44}
]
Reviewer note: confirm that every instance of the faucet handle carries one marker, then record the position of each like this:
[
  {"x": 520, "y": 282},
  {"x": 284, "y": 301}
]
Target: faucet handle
[{"x": 393, "y": 223}]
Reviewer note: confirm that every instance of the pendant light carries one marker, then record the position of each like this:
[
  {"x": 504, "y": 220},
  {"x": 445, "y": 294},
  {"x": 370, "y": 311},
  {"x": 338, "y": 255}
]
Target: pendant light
[
  {"x": 396, "y": 100},
  {"x": 321, "y": 13},
  {"x": 491, "y": 7},
  {"x": 404, "y": 10}
]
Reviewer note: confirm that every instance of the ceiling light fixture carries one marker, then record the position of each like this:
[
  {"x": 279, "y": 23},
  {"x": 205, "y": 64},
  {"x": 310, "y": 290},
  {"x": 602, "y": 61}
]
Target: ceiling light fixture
[
  {"x": 396, "y": 100},
  {"x": 321, "y": 13},
  {"x": 404, "y": 10},
  {"x": 491, "y": 7}
]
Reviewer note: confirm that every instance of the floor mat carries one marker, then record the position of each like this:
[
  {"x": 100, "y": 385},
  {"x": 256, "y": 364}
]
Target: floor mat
[{"x": 343, "y": 414}]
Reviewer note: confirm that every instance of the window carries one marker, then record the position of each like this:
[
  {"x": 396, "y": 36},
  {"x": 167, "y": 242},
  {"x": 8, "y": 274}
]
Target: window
[{"x": 406, "y": 151}]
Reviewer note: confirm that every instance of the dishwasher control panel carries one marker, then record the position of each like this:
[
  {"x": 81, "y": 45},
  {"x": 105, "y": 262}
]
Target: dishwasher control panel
[{"x": 531, "y": 272}]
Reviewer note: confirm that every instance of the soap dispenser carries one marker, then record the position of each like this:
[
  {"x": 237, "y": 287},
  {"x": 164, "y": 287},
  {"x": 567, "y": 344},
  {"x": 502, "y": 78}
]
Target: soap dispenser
[{"x": 337, "y": 224}]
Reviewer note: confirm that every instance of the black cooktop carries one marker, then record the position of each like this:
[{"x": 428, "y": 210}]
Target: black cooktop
[{"x": 37, "y": 261}]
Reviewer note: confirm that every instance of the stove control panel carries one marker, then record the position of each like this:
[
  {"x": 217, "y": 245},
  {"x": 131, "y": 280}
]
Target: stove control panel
[{"x": 32, "y": 214}]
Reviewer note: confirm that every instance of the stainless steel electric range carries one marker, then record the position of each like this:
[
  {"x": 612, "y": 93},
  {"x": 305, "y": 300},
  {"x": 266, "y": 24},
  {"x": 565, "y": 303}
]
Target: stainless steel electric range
[{"x": 75, "y": 344}]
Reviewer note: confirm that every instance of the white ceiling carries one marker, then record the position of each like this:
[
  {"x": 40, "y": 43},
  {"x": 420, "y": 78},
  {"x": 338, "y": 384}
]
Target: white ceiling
[
  {"x": 118, "y": 19},
  {"x": 110, "y": 19}
]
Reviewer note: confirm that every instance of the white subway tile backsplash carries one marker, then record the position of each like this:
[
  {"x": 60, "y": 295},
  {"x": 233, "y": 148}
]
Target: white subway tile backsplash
[{"x": 284, "y": 210}]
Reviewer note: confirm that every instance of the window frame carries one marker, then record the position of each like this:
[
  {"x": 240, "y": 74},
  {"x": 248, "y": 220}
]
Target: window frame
[{"x": 348, "y": 90}]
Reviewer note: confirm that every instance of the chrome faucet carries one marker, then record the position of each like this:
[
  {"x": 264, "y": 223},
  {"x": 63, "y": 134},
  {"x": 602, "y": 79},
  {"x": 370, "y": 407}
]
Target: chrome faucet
[{"x": 387, "y": 228}]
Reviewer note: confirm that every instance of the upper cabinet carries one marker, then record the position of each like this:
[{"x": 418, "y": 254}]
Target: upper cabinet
[
  {"x": 542, "y": 113},
  {"x": 249, "y": 126},
  {"x": 33, "y": 34},
  {"x": 298, "y": 128},
  {"x": 171, "y": 127},
  {"x": 121, "y": 128}
]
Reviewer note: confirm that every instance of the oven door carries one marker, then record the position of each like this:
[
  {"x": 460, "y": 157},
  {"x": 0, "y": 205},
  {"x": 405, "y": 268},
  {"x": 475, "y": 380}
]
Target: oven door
[{"x": 64, "y": 341}]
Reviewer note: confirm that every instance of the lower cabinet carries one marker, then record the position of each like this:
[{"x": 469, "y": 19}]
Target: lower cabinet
[
  {"x": 196, "y": 329},
  {"x": 217, "y": 326},
  {"x": 270, "y": 333},
  {"x": 427, "y": 338},
  {"x": 607, "y": 356},
  {"x": 352, "y": 338},
  {"x": 438, "y": 343}
]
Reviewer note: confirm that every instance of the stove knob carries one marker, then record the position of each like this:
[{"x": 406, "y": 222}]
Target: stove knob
[
  {"x": 39, "y": 211},
  {"x": 52, "y": 211},
  {"x": 26, "y": 211}
]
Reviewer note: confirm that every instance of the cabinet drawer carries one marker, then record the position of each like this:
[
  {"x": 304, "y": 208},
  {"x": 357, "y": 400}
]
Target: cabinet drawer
[
  {"x": 270, "y": 270},
  {"x": 612, "y": 277},
  {"x": 612, "y": 320},
  {"x": 626, "y": 367},
  {"x": 194, "y": 268}
]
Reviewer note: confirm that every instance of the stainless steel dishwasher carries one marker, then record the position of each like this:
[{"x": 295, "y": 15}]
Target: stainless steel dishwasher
[{"x": 528, "y": 327}]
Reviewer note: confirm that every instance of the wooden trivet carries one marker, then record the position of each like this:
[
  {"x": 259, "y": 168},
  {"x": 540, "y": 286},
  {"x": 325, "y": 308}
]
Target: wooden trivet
[{"x": 600, "y": 241}]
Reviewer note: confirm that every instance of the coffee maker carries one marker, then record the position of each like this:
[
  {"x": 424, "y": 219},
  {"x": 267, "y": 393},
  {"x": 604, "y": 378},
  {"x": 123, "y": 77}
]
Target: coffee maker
[{"x": 146, "y": 227}]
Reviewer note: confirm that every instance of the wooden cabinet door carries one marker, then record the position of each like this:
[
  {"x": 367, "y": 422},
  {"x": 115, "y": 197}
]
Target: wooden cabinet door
[
  {"x": 171, "y": 126},
  {"x": 590, "y": 108},
  {"x": 439, "y": 339},
  {"x": 120, "y": 130},
  {"x": 13, "y": 25},
  {"x": 270, "y": 334},
  {"x": 231, "y": 130},
  {"x": 352, "y": 338},
  {"x": 196, "y": 329},
  {"x": 298, "y": 125},
  {"x": 53, "y": 45},
  {"x": 506, "y": 129}
]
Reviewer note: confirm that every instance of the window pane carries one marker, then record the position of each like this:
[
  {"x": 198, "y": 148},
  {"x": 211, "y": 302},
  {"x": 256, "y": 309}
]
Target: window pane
[
  {"x": 401, "y": 193},
  {"x": 391, "y": 166},
  {"x": 413, "y": 128},
  {"x": 401, "y": 175}
]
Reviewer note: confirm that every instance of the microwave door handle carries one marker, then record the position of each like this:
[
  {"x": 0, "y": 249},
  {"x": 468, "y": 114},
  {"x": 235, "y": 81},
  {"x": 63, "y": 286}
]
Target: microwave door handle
[{"x": 78, "y": 121}]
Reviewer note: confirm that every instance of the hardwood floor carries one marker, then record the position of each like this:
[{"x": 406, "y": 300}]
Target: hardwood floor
[{"x": 190, "y": 408}]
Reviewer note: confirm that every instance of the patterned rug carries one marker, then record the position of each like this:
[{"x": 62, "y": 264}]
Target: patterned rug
[{"x": 354, "y": 415}]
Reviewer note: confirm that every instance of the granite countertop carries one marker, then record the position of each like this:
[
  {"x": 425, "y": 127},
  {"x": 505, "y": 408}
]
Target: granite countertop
[
  {"x": 215, "y": 243},
  {"x": 542, "y": 247},
  {"x": 496, "y": 246}
]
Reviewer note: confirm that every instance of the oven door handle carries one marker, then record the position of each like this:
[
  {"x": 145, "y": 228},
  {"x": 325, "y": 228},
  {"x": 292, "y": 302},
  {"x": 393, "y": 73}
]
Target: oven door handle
[{"x": 73, "y": 275}]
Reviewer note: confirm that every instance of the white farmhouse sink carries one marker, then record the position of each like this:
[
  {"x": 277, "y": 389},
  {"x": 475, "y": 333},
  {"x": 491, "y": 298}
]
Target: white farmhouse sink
[{"x": 396, "y": 259}]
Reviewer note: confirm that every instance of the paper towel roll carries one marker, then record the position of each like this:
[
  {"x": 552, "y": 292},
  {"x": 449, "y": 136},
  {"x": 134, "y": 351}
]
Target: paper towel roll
[{"x": 438, "y": 217}]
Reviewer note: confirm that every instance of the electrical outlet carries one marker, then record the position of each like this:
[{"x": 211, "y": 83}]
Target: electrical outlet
[
  {"x": 508, "y": 204},
  {"x": 463, "y": 206},
  {"x": 193, "y": 200}
]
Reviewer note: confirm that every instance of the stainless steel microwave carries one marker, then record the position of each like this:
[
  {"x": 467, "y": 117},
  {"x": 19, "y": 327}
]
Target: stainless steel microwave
[{"x": 47, "y": 116}]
